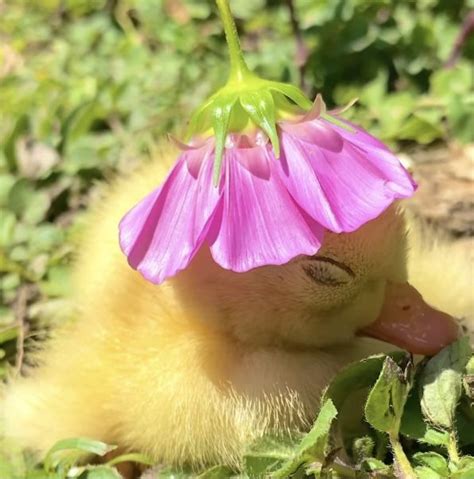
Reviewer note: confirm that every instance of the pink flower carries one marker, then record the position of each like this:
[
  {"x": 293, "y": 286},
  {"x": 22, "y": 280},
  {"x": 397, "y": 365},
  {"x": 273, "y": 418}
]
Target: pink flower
[{"x": 330, "y": 175}]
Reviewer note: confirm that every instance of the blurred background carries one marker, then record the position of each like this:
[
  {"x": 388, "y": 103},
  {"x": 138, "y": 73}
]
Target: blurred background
[{"x": 89, "y": 88}]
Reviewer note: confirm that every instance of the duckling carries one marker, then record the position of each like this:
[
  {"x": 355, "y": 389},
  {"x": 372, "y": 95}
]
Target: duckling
[{"x": 193, "y": 370}]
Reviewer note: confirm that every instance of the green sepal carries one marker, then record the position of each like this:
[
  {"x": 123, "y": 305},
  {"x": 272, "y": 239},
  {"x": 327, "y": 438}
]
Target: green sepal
[
  {"x": 222, "y": 109},
  {"x": 261, "y": 109},
  {"x": 238, "y": 104},
  {"x": 293, "y": 93}
]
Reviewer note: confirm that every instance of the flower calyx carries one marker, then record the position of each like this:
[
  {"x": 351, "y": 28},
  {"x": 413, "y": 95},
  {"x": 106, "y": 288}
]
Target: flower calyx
[{"x": 243, "y": 104}]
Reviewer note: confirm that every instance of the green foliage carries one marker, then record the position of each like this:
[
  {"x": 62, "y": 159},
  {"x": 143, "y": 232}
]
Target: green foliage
[{"x": 319, "y": 452}]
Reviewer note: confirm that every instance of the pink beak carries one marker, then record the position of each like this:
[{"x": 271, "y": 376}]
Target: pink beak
[{"x": 409, "y": 323}]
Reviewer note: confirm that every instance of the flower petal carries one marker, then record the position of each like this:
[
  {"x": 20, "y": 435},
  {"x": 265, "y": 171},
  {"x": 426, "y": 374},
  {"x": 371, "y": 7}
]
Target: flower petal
[
  {"x": 318, "y": 132},
  {"x": 358, "y": 135},
  {"x": 260, "y": 223},
  {"x": 161, "y": 234},
  {"x": 297, "y": 173},
  {"x": 343, "y": 190}
]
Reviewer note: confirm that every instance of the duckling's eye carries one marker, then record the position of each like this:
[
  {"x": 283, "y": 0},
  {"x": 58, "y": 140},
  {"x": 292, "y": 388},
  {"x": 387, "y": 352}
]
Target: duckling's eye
[{"x": 328, "y": 271}]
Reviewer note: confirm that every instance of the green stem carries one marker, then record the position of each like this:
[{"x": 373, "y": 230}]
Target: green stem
[
  {"x": 453, "y": 449},
  {"x": 239, "y": 70},
  {"x": 401, "y": 460}
]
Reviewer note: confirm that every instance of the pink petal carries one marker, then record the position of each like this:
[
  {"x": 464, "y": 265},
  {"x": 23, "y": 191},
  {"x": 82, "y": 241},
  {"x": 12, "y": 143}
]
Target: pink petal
[
  {"x": 342, "y": 190},
  {"x": 316, "y": 132},
  {"x": 357, "y": 135},
  {"x": 161, "y": 234},
  {"x": 259, "y": 222}
]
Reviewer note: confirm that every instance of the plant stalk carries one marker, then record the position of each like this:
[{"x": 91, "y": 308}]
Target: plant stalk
[
  {"x": 401, "y": 460},
  {"x": 453, "y": 448},
  {"x": 239, "y": 70}
]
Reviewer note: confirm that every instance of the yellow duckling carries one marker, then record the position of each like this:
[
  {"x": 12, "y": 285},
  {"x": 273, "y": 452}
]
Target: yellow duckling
[{"x": 193, "y": 370}]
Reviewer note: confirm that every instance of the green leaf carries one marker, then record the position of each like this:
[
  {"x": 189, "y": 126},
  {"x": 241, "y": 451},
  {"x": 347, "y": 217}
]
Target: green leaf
[
  {"x": 314, "y": 445},
  {"x": 371, "y": 464},
  {"x": 468, "y": 377},
  {"x": 78, "y": 123},
  {"x": 7, "y": 228},
  {"x": 464, "y": 469},
  {"x": 420, "y": 129},
  {"x": 78, "y": 445},
  {"x": 424, "y": 472},
  {"x": 57, "y": 282},
  {"x": 386, "y": 400},
  {"x": 27, "y": 203},
  {"x": 267, "y": 454},
  {"x": 217, "y": 472},
  {"x": 6, "y": 183},
  {"x": 414, "y": 426},
  {"x": 21, "y": 126},
  {"x": 434, "y": 461},
  {"x": 45, "y": 237},
  {"x": 354, "y": 377},
  {"x": 8, "y": 333},
  {"x": 461, "y": 117},
  {"x": 441, "y": 383}
]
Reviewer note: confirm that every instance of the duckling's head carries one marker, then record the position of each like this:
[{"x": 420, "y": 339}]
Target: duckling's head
[{"x": 356, "y": 282}]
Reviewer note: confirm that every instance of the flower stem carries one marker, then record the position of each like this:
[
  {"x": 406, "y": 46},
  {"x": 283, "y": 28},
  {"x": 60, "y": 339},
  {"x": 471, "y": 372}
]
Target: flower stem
[{"x": 238, "y": 68}]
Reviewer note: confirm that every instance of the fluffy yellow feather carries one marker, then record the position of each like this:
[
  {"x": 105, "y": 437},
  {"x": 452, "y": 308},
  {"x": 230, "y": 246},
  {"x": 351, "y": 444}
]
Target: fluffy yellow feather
[{"x": 193, "y": 370}]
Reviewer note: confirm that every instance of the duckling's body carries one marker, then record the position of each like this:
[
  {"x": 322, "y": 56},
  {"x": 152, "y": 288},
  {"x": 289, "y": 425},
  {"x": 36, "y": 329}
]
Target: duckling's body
[{"x": 193, "y": 370}]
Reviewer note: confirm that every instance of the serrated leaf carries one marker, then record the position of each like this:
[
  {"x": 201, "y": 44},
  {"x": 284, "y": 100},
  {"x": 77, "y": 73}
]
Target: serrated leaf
[
  {"x": 441, "y": 383},
  {"x": 267, "y": 454},
  {"x": 386, "y": 400},
  {"x": 314, "y": 445}
]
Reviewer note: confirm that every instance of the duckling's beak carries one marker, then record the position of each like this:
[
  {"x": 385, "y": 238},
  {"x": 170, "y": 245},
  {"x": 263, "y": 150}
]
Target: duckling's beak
[{"x": 408, "y": 322}]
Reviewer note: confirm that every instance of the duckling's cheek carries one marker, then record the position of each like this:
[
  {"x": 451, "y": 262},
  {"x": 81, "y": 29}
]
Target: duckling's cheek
[{"x": 408, "y": 322}]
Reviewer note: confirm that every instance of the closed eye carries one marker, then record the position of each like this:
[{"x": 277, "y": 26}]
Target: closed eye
[{"x": 328, "y": 271}]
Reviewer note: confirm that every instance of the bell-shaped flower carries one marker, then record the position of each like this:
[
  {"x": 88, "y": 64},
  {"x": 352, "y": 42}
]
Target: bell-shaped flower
[{"x": 331, "y": 175}]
